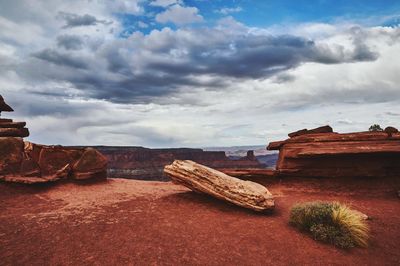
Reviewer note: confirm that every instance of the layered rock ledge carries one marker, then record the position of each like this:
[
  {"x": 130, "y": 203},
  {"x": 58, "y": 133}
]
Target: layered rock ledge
[{"x": 331, "y": 154}]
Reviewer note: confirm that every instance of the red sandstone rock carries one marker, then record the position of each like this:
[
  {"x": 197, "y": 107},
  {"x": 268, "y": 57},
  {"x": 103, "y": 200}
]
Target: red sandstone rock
[
  {"x": 323, "y": 129},
  {"x": 92, "y": 164},
  {"x": 30, "y": 168},
  {"x": 32, "y": 163},
  {"x": 391, "y": 130},
  {"x": 332, "y": 154},
  {"x": 60, "y": 174},
  {"x": 11, "y": 155},
  {"x": 8, "y": 128},
  {"x": 3, "y": 106},
  {"x": 14, "y": 132},
  {"x": 11, "y": 124},
  {"x": 53, "y": 158}
]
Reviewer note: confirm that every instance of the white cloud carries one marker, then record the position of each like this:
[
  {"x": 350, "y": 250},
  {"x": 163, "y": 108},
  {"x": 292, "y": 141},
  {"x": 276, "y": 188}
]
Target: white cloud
[
  {"x": 142, "y": 25},
  {"x": 229, "y": 10},
  {"x": 179, "y": 15},
  {"x": 181, "y": 87}
]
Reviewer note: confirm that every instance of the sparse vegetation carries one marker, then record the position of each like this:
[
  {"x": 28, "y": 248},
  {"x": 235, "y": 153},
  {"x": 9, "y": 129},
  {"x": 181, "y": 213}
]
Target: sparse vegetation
[
  {"x": 331, "y": 222},
  {"x": 375, "y": 127}
]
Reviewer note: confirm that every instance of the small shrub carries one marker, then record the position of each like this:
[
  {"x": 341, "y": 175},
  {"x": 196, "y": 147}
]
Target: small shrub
[
  {"x": 330, "y": 222},
  {"x": 375, "y": 127}
]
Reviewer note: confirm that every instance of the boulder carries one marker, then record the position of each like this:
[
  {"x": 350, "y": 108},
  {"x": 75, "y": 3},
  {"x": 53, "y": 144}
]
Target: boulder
[
  {"x": 92, "y": 164},
  {"x": 203, "y": 179},
  {"x": 391, "y": 130},
  {"x": 53, "y": 158}
]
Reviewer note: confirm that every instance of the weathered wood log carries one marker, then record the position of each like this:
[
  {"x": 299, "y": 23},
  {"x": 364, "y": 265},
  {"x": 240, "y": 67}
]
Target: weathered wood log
[{"x": 200, "y": 178}]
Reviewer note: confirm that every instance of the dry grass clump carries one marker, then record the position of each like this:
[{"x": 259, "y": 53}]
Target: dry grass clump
[{"x": 331, "y": 222}]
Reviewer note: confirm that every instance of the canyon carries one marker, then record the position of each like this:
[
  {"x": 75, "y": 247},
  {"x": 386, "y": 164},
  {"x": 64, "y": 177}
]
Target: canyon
[{"x": 147, "y": 164}]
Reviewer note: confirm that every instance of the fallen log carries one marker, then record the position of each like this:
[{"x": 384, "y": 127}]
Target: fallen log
[{"x": 200, "y": 178}]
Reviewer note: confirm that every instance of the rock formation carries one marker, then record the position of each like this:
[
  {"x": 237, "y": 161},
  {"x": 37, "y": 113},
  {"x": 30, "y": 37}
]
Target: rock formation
[
  {"x": 25, "y": 162},
  {"x": 323, "y": 129},
  {"x": 332, "y": 154},
  {"x": 148, "y": 164},
  {"x": 8, "y": 128},
  {"x": 200, "y": 178}
]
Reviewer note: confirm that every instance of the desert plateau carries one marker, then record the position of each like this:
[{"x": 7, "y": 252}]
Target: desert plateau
[{"x": 195, "y": 132}]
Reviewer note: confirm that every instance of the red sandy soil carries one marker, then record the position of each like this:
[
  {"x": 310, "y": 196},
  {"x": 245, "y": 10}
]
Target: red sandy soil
[{"x": 119, "y": 222}]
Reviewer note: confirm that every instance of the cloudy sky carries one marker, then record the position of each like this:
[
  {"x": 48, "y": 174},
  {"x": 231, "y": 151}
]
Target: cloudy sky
[{"x": 180, "y": 73}]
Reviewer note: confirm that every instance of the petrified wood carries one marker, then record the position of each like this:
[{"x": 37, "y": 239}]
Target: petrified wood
[{"x": 200, "y": 178}]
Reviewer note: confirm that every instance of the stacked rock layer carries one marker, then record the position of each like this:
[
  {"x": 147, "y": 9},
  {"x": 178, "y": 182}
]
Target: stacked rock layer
[
  {"x": 8, "y": 128},
  {"x": 323, "y": 153}
]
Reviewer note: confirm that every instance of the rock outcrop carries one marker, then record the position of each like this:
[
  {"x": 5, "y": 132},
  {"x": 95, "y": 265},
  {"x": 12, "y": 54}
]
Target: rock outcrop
[
  {"x": 25, "y": 162},
  {"x": 332, "y": 154},
  {"x": 8, "y": 128},
  {"x": 203, "y": 179},
  {"x": 323, "y": 129}
]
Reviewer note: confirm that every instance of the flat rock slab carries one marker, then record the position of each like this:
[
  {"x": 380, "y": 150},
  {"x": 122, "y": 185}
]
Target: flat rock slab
[
  {"x": 14, "y": 132},
  {"x": 12, "y": 124},
  {"x": 200, "y": 178}
]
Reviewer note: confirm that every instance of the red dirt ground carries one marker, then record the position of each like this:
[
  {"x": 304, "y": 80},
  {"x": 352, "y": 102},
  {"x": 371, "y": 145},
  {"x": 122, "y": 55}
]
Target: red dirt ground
[{"x": 120, "y": 222}]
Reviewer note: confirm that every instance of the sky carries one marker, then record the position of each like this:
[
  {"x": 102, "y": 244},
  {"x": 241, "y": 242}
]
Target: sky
[{"x": 198, "y": 73}]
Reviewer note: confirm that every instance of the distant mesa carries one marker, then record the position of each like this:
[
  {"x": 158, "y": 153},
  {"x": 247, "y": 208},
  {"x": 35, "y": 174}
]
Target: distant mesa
[{"x": 8, "y": 128}]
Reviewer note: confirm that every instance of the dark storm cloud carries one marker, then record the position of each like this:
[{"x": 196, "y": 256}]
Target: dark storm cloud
[
  {"x": 60, "y": 59},
  {"x": 70, "y": 42},
  {"x": 149, "y": 67},
  {"x": 75, "y": 20}
]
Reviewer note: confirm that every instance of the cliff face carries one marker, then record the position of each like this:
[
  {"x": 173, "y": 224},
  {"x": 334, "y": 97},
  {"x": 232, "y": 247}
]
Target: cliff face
[{"x": 148, "y": 164}]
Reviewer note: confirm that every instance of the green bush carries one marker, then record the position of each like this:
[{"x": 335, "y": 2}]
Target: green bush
[
  {"x": 375, "y": 127},
  {"x": 331, "y": 222}
]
